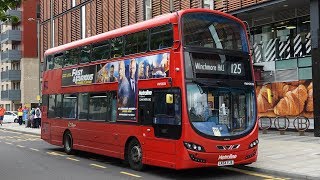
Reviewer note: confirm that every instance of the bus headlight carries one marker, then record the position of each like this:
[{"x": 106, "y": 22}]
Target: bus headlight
[
  {"x": 193, "y": 146},
  {"x": 254, "y": 143}
]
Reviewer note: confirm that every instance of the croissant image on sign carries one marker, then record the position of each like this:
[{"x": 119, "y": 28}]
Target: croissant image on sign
[{"x": 287, "y": 99}]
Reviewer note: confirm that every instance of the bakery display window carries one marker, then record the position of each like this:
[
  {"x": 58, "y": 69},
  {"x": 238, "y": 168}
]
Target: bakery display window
[{"x": 221, "y": 111}]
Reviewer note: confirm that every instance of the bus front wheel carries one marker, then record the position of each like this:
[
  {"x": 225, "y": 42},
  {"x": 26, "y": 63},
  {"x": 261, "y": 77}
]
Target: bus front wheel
[
  {"x": 135, "y": 155},
  {"x": 68, "y": 143}
]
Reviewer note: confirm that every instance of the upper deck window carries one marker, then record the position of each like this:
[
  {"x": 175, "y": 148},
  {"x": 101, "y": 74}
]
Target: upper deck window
[
  {"x": 49, "y": 64},
  {"x": 101, "y": 51},
  {"x": 116, "y": 47},
  {"x": 58, "y": 61},
  {"x": 161, "y": 37},
  {"x": 85, "y": 54},
  {"x": 71, "y": 57},
  {"x": 213, "y": 31},
  {"x": 136, "y": 43}
]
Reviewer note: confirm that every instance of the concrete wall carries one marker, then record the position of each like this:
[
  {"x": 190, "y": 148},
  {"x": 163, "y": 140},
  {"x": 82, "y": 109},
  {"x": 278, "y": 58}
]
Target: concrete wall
[{"x": 29, "y": 80}]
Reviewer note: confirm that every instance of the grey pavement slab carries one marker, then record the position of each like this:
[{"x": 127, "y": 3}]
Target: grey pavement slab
[
  {"x": 17, "y": 128},
  {"x": 291, "y": 154}
]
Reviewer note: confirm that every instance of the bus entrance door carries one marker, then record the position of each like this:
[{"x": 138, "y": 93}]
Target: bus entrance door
[{"x": 157, "y": 141}]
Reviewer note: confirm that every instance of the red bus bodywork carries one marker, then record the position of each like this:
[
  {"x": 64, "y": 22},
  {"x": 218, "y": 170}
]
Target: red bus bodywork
[{"x": 111, "y": 139}]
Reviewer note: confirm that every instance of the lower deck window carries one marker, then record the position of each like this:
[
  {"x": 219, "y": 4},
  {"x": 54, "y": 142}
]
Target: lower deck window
[
  {"x": 98, "y": 106},
  {"x": 69, "y": 106}
]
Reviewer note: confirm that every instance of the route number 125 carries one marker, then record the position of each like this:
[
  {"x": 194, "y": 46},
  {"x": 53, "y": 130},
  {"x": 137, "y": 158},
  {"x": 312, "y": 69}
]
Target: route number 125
[{"x": 236, "y": 68}]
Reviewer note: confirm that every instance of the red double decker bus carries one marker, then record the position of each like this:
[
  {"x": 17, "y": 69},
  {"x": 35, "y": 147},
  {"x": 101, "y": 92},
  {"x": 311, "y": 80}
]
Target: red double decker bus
[{"x": 175, "y": 91}]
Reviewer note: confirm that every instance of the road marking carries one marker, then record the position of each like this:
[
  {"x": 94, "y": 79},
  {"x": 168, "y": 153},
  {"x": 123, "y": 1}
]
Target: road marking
[
  {"x": 72, "y": 159},
  {"x": 129, "y": 174},
  {"x": 20, "y": 146},
  {"x": 15, "y": 132},
  {"x": 97, "y": 165},
  {"x": 8, "y": 143},
  {"x": 251, "y": 173},
  {"x": 60, "y": 153},
  {"x": 34, "y": 149},
  {"x": 32, "y": 135},
  {"x": 55, "y": 154}
]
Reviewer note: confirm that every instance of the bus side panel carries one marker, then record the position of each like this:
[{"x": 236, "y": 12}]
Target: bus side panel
[
  {"x": 45, "y": 126},
  {"x": 52, "y": 84},
  {"x": 100, "y": 139},
  {"x": 56, "y": 134}
]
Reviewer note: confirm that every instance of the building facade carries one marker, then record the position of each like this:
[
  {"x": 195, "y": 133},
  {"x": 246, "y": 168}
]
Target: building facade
[
  {"x": 19, "y": 62},
  {"x": 282, "y": 38}
]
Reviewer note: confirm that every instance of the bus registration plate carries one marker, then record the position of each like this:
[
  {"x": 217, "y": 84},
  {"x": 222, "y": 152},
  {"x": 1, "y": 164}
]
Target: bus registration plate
[{"x": 226, "y": 163}]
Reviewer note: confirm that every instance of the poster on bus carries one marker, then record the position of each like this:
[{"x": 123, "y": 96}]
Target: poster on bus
[
  {"x": 285, "y": 99},
  {"x": 107, "y": 72},
  {"x": 78, "y": 76},
  {"x": 127, "y": 73}
]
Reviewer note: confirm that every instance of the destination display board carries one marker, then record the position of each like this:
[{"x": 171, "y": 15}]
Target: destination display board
[{"x": 214, "y": 66}]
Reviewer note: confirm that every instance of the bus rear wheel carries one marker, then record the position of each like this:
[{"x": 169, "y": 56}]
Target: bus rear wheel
[
  {"x": 135, "y": 155},
  {"x": 68, "y": 143}
]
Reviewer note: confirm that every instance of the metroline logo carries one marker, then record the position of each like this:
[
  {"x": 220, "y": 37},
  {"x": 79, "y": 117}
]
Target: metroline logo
[{"x": 230, "y": 156}]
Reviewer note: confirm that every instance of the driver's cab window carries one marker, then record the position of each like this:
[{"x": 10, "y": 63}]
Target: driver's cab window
[
  {"x": 160, "y": 106},
  {"x": 167, "y": 107}
]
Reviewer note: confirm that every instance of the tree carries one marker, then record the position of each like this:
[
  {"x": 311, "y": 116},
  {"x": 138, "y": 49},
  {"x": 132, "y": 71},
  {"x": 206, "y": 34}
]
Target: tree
[{"x": 4, "y": 6}]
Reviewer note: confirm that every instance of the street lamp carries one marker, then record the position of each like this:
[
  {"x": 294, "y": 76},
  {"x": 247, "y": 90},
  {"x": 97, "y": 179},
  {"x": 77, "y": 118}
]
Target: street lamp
[{"x": 38, "y": 54}]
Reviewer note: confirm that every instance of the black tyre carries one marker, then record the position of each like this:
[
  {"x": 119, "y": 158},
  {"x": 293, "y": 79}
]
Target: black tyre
[
  {"x": 135, "y": 155},
  {"x": 16, "y": 120},
  {"x": 68, "y": 143}
]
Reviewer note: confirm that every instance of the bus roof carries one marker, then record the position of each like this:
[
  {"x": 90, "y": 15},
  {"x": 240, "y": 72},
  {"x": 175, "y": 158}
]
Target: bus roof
[{"x": 158, "y": 20}]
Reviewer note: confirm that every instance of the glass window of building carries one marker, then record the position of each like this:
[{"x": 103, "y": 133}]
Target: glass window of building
[
  {"x": 148, "y": 9},
  {"x": 208, "y": 4}
]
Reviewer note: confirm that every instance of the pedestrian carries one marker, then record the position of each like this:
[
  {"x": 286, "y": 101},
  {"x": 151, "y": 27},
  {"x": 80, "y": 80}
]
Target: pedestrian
[
  {"x": 37, "y": 117},
  {"x": 25, "y": 116},
  {"x": 20, "y": 114},
  {"x": 2, "y": 111},
  {"x": 31, "y": 123}
]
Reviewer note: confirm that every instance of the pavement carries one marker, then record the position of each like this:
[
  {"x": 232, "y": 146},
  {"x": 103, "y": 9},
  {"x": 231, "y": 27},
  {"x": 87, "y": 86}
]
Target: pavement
[{"x": 291, "y": 154}]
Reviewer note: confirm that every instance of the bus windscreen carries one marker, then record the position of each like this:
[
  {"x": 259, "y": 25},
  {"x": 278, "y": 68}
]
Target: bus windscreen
[{"x": 213, "y": 31}]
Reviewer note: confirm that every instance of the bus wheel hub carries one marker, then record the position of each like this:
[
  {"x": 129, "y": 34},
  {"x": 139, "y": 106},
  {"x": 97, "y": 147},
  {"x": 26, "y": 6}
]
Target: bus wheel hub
[{"x": 136, "y": 154}]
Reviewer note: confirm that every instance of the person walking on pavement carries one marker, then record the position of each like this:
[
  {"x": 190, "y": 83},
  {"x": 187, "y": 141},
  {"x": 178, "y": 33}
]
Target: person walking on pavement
[
  {"x": 31, "y": 122},
  {"x": 2, "y": 111},
  {"x": 20, "y": 114},
  {"x": 37, "y": 117},
  {"x": 25, "y": 116}
]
